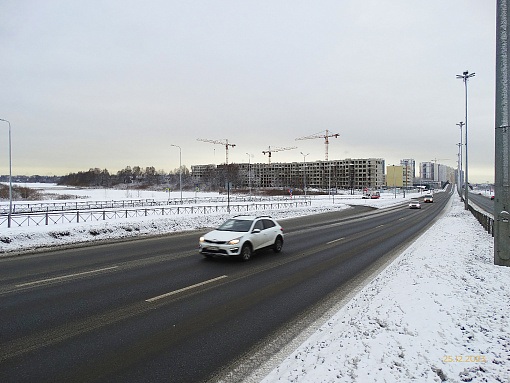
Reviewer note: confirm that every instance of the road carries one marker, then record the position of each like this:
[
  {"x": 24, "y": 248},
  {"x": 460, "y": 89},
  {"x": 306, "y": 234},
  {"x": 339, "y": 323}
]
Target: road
[
  {"x": 482, "y": 201},
  {"x": 155, "y": 310}
]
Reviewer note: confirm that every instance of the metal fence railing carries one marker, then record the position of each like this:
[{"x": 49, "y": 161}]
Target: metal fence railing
[
  {"x": 38, "y": 207},
  {"x": 81, "y": 216},
  {"x": 485, "y": 219}
]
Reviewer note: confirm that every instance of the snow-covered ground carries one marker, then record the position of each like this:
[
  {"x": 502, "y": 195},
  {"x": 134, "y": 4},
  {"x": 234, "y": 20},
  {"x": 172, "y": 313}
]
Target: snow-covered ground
[{"x": 440, "y": 312}]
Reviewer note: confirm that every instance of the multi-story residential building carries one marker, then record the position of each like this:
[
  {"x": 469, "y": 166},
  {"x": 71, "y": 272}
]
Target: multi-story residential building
[
  {"x": 410, "y": 165},
  {"x": 340, "y": 174},
  {"x": 437, "y": 173}
]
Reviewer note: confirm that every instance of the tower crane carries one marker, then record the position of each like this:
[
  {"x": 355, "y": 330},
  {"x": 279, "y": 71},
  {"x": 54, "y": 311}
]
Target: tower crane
[
  {"x": 269, "y": 151},
  {"x": 222, "y": 142},
  {"x": 325, "y": 134}
]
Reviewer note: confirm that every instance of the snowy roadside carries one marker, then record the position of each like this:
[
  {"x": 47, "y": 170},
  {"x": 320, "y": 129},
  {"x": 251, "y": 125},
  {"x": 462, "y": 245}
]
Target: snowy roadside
[{"x": 439, "y": 312}]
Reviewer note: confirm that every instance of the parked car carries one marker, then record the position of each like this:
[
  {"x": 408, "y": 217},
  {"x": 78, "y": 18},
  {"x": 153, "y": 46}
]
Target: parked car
[
  {"x": 414, "y": 204},
  {"x": 241, "y": 236},
  {"x": 428, "y": 198}
]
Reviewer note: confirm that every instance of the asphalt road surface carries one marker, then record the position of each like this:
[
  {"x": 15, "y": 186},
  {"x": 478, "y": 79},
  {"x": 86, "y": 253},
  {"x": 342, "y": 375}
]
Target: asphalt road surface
[{"x": 155, "y": 310}]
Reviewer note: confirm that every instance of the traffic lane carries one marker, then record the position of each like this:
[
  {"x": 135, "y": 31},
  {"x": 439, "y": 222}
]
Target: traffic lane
[
  {"x": 40, "y": 307},
  {"x": 186, "y": 342},
  {"x": 55, "y": 262},
  {"x": 483, "y": 202}
]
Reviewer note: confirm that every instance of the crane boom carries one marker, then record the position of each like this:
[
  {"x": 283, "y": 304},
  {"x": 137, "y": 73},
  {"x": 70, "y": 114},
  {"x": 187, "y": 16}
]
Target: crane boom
[
  {"x": 325, "y": 134},
  {"x": 269, "y": 151},
  {"x": 222, "y": 142}
]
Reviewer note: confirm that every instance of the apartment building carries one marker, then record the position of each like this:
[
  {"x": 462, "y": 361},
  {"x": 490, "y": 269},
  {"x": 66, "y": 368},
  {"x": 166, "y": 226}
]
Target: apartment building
[{"x": 333, "y": 174}]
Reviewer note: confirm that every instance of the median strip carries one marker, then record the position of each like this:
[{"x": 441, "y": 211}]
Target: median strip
[
  {"x": 65, "y": 277},
  {"x": 184, "y": 289}
]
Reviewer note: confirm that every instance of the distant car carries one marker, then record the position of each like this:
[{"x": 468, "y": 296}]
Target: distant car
[
  {"x": 414, "y": 204},
  {"x": 365, "y": 196},
  {"x": 241, "y": 236},
  {"x": 375, "y": 195},
  {"x": 428, "y": 198}
]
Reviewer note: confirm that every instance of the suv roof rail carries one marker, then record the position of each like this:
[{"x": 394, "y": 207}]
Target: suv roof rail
[{"x": 248, "y": 215}]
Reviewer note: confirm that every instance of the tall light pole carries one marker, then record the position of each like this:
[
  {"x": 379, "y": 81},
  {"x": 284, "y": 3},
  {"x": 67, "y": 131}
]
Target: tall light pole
[
  {"x": 460, "y": 125},
  {"x": 394, "y": 181},
  {"x": 459, "y": 169},
  {"x": 180, "y": 169},
  {"x": 10, "y": 176},
  {"x": 502, "y": 137},
  {"x": 249, "y": 171},
  {"x": 304, "y": 170},
  {"x": 465, "y": 76}
]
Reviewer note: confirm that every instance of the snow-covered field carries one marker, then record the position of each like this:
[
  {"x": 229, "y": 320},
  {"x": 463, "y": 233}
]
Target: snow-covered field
[{"x": 440, "y": 312}]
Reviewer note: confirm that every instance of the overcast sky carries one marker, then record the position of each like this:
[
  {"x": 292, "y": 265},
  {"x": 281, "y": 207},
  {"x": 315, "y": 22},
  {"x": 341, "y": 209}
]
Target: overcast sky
[{"x": 114, "y": 83}]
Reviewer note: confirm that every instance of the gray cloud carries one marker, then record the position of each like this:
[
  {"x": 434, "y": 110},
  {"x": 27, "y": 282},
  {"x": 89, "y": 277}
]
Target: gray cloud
[{"x": 114, "y": 83}]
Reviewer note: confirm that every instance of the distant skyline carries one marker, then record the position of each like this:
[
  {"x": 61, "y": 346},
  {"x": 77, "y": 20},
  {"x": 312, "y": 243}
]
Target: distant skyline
[{"x": 110, "y": 84}]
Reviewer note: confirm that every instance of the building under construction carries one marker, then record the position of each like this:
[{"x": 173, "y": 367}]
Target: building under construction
[{"x": 323, "y": 175}]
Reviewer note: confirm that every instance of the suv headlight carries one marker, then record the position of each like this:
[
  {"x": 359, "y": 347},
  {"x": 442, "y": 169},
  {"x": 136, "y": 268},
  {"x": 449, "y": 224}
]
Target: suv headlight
[{"x": 234, "y": 241}]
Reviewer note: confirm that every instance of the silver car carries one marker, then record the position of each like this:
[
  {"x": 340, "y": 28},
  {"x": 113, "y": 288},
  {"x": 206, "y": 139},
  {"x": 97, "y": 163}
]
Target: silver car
[
  {"x": 241, "y": 236},
  {"x": 414, "y": 204}
]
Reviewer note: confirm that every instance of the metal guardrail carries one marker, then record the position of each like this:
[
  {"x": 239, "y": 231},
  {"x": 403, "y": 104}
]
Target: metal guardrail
[
  {"x": 38, "y": 207},
  {"x": 80, "y": 216},
  {"x": 484, "y": 218}
]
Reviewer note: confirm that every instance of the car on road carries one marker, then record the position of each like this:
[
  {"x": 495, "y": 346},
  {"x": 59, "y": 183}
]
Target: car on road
[
  {"x": 241, "y": 236},
  {"x": 414, "y": 204},
  {"x": 428, "y": 198}
]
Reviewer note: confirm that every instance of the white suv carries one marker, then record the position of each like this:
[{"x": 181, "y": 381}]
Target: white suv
[{"x": 242, "y": 236}]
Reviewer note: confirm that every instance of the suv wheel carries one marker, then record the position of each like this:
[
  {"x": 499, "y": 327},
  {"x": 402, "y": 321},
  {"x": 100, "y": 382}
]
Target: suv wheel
[
  {"x": 246, "y": 252},
  {"x": 278, "y": 244}
]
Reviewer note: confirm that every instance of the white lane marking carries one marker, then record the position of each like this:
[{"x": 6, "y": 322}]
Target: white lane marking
[
  {"x": 379, "y": 226},
  {"x": 335, "y": 240},
  {"x": 65, "y": 276},
  {"x": 184, "y": 289}
]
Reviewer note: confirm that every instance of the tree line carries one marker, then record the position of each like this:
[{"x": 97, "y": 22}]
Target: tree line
[{"x": 135, "y": 176}]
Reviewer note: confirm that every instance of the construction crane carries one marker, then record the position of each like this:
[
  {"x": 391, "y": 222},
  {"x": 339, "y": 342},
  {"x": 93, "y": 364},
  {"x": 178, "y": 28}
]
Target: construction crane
[
  {"x": 222, "y": 142},
  {"x": 324, "y": 135},
  {"x": 269, "y": 151}
]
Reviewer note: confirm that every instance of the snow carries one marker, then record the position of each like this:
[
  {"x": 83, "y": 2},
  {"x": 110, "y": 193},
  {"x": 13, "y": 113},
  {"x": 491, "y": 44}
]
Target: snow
[{"x": 439, "y": 312}]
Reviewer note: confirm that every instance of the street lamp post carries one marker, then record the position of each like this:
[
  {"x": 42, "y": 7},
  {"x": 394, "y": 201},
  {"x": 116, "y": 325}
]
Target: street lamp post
[
  {"x": 180, "y": 169},
  {"x": 465, "y": 76},
  {"x": 10, "y": 176},
  {"x": 304, "y": 170},
  {"x": 249, "y": 171},
  {"x": 460, "y": 125},
  {"x": 394, "y": 181}
]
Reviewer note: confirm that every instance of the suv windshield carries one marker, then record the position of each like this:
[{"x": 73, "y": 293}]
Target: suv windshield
[{"x": 236, "y": 225}]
